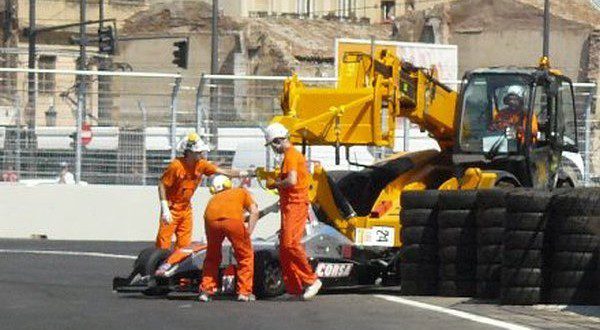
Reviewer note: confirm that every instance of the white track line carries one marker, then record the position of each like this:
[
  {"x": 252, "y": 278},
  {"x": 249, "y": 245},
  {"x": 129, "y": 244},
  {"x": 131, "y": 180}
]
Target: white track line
[
  {"x": 460, "y": 314},
  {"x": 71, "y": 253}
]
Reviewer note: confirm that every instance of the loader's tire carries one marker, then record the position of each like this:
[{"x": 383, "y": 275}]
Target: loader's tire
[
  {"x": 458, "y": 254},
  {"x": 419, "y": 272},
  {"x": 457, "y": 288},
  {"x": 155, "y": 259},
  {"x": 419, "y": 199},
  {"x": 458, "y": 272},
  {"x": 524, "y": 240},
  {"x": 419, "y": 253},
  {"x": 520, "y": 295},
  {"x": 418, "y": 288},
  {"x": 268, "y": 277},
  {"x": 491, "y": 198},
  {"x": 534, "y": 221},
  {"x": 489, "y": 254},
  {"x": 577, "y": 279},
  {"x": 455, "y": 219},
  {"x": 574, "y": 296},
  {"x": 577, "y": 243},
  {"x": 457, "y": 199},
  {"x": 575, "y": 261},
  {"x": 490, "y": 218},
  {"x": 419, "y": 235},
  {"x": 522, "y": 258},
  {"x": 489, "y": 272},
  {"x": 525, "y": 200},
  {"x": 521, "y": 277},
  {"x": 487, "y": 290},
  {"x": 417, "y": 217},
  {"x": 490, "y": 236},
  {"x": 456, "y": 236}
]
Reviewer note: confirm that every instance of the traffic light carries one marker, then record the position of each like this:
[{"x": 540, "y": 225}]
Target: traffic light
[
  {"x": 181, "y": 54},
  {"x": 106, "y": 40}
]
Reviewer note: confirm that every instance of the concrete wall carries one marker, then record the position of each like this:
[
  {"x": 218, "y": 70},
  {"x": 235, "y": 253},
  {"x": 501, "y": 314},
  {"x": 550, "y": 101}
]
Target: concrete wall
[{"x": 96, "y": 212}]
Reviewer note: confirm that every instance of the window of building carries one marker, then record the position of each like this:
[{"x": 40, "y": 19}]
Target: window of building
[
  {"x": 46, "y": 81},
  {"x": 388, "y": 10}
]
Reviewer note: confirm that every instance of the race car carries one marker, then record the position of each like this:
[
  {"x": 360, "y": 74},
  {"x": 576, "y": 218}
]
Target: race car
[{"x": 335, "y": 259}]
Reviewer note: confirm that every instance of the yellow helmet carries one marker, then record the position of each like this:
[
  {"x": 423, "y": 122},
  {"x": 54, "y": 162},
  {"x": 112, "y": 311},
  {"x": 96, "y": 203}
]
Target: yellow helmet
[{"x": 219, "y": 183}]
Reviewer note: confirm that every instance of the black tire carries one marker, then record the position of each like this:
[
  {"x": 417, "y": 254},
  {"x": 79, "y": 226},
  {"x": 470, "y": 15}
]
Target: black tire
[
  {"x": 419, "y": 253},
  {"x": 574, "y": 296},
  {"x": 578, "y": 225},
  {"x": 457, "y": 199},
  {"x": 526, "y": 200},
  {"x": 417, "y": 217},
  {"x": 455, "y": 219},
  {"x": 575, "y": 279},
  {"x": 457, "y": 288},
  {"x": 523, "y": 240},
  {"x": 520, "y": 296},
  {"x": 534, "y": 221},
  {"x": 489, "y": 254},
  {"x": 522, "y": 258},
  {"x": 491, "y": 198},
  {"x": 419, "y": 199},
  {"x": 419, "y": 235},
  {"x": 268, "y": 277},
  {"x": 456, "y": 236},
  {"x": 521, "y": 277},
  {"x": 489, "y": 273},
  {"x": 155, "y": 259},
  {"x": 458, "y": 272},
  {"x": 418, "y": 288},
  {"x": 490, "y": 236},
  {"x": 139, "y": 265},
  {"x": 419, "y": 272},
  {"x": 577, "y": 243},
  {"x": 489, "y": 218},
  {"x": 575, "y": 261},
  {"x": 487, "y": 290},
  {"x": 458, "y": 254}
]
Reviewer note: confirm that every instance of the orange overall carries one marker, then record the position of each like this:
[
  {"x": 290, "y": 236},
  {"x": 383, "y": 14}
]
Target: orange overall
[
  {"x": 517, "y": 119},
  {"x": 294, "y": 202},
  {"x": 224, "y": 217},
  {"x": 181, "y": 181}
]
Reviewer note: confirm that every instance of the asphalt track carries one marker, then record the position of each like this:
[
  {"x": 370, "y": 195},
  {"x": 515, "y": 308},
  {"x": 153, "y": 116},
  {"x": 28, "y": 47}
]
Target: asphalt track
[{"x": 73, "y": 291}]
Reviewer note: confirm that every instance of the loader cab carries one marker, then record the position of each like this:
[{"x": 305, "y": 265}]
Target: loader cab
[{"x": 517, "y": 122}]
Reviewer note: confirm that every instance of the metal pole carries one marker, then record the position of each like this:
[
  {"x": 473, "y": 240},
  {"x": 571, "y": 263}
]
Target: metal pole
[
  {"x": 406, "y": 137},
  {"x": 174, "y": 117},
  {"x": 101, "y": 14},
  {"x": 214, "y": 56},
  {"x": 81, "y": 89},
  {"x": 588, "y": 133},
  {"x": 200, "y": 115},
  {"x": 546, "y": 28},
  {"x": 31, "y": 89},
  {"x": 18, "y": 137},
  {"x": 144, "y": 125}
]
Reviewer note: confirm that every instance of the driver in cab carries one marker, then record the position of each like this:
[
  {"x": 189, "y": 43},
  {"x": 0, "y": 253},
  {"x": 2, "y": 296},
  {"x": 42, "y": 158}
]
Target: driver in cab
[{"x": 513, "y": 117}]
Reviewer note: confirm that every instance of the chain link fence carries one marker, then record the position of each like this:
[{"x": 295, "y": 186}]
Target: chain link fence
[{"x": 131, "y": 122}]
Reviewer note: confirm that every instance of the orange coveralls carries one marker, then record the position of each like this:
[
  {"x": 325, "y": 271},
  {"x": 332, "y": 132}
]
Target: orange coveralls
[
  {"x": 180, "y": 183},
  {"x": 517, "y": 119},
  {"x": 297, "y": 272},
  {"x": 224, "y": 217}
]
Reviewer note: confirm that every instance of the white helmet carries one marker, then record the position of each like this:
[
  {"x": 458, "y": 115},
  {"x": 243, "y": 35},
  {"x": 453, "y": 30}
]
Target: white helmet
[
  {"x": 516, "y": 89},
  {"x": 275, "y": 131},
  {"x": 219, "y": 183},
  {"x": 192, "y": 142}
]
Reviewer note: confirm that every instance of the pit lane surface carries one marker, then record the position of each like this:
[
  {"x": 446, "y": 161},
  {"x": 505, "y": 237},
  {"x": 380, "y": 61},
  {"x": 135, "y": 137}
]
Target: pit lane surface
[{"x": 54, "y": 291}]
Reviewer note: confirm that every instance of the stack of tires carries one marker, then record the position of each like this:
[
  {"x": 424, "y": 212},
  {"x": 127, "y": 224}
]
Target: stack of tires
[
  {"x": 523, "y": 257},
  {"x": 491, "y": 212},
  {"x": 575, "y": 243},
  {"x": 419, "y": 254},
  {"x": 457, "y": 243}
]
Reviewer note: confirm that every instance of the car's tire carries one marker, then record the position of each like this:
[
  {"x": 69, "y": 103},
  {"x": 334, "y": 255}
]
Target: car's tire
[
  {"x": 419, "y": 199},
  {"x": 526, "y": 200},
  {"x": 574, "y": 261},
  {"x": 419, "y": 272},
  {"x": 573, "y": 278},
  {"x": 489, "y": 254},
  {"x": 489, "y": 273},
  {"x": 487, "y": 290},
  {"x": 457, "y": 199},
  {"x": 577, "y": 225},
  {"x": 522, "y": 258},
  {"x": 520, "y": 295},
  {"x": 417, "y": 217},
  {"x": 457, "y": 288},
  {"x": 523, "y": 240},
  {"x": 458, "y": 272},
  {"x": 419, "y": 253},
  {"x": 534, "y": 221},
  {"x": 455, "y": 219},
  {"x": 521, "y": 277},
  {"x": 418, "y": 288},
  {"x": 577, "y": 243},
  {"x": 458, "y": 254},
  {"x": 268, "y": 276},
  {"x": 456, "y": 236},
  {"x": 488, "y": 218},
  {"x": 491, "y": 198},
  {"x": 574, "y": 296},
  {"x": 490, "y": 236},
  {"x": 419, "y": 235},
  {"x": 155, "y": 259},
  {"x": 139, "y": 265}
]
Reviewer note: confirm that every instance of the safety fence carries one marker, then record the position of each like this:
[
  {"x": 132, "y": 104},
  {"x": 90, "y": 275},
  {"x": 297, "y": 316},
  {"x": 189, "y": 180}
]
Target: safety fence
[{"x": 129, "y": 123}]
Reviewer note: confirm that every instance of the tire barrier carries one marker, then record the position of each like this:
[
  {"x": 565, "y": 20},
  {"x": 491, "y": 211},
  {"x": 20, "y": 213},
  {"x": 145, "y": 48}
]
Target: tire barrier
[
  {"x": 419, "y": 254},
  {"x": 457, "y": 243},
  {"x": 523, "y": 257},
  {"x": 574, "y": 265},
  {"x": 490, "y": 215}
]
